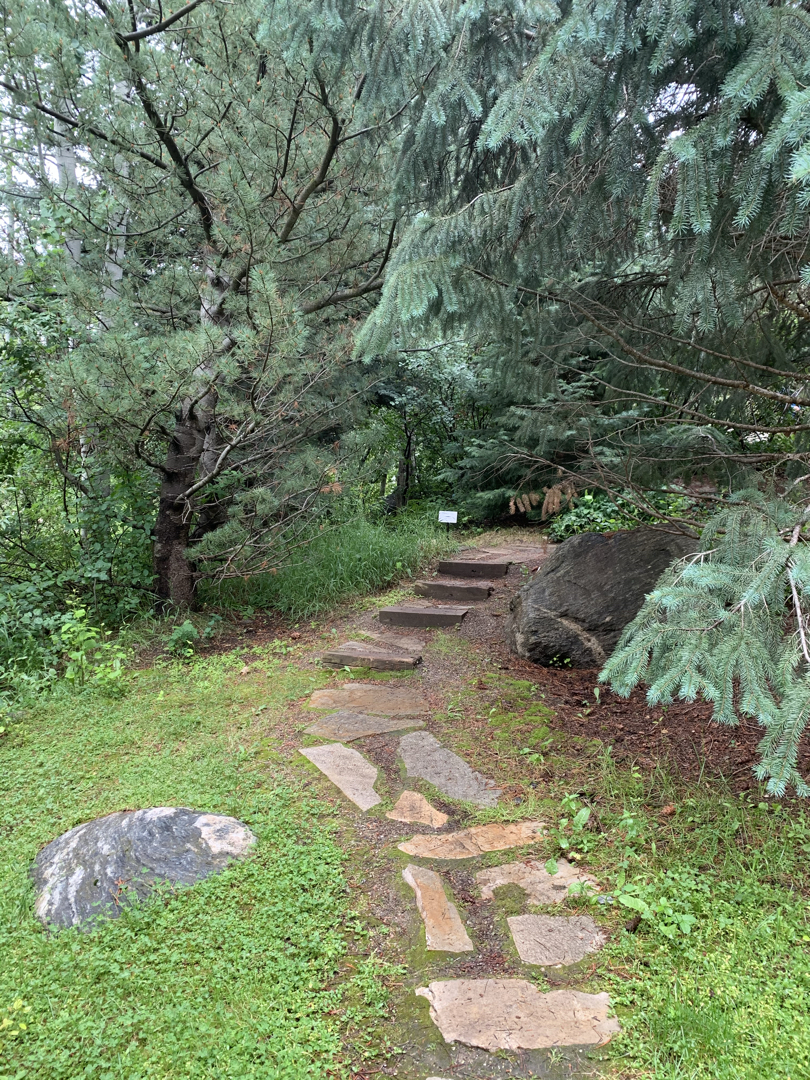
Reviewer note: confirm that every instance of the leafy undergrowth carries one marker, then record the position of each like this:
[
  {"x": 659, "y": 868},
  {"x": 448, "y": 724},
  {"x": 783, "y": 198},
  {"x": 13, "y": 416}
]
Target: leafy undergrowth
[
  {"x": 243, "y": 975},
  {"x": 710, "y": 967}
]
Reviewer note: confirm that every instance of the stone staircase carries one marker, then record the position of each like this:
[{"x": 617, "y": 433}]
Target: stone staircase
[
  {"x": 452, "y": 589},
  {"x": 451, "y": 583},
  {"x": 491, "y": 1013}
]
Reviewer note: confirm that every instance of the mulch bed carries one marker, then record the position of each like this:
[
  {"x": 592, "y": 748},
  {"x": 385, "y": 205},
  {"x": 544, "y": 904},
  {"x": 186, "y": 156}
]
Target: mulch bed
[{"x": 682, "y": 735}]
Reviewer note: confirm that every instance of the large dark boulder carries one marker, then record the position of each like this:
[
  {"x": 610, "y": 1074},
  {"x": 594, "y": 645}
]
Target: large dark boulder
[
  {"x": 105, "y": 864},
  {"x": 586, "y": 592}
]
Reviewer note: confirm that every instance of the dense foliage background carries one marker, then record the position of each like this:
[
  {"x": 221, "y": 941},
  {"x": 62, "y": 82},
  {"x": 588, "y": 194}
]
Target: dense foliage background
[{"x": 276, "y": 268}]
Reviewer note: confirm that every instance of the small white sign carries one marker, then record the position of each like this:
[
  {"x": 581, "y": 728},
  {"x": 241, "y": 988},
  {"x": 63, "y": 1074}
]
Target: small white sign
[{"x": 448, "y": 517}]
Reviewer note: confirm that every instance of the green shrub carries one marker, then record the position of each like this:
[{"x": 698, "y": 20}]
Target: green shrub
[
  {"x": 600, "y": 513},
  {"x": 89, "y": 657},
  {"x": 29, "y": 645},
  {"x": 182, "y": 639}
]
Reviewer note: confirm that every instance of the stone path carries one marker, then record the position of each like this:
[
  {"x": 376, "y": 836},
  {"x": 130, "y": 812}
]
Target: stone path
[
  {"x": 453, "y": 590},
  {"x": 469, "y": 843},
  {"x": 540, "y": 886},
  {"x": 347, "y": 770},
  {"x": 362, "y": 654},
  {"x": 423, "y": 615},
  {"x": 371, "y": 698},
  {"x": 512, "y": 1014},
  {"x": 551, "y": 940},
  {"x": 486, "y": 1014},
  {"x": 414, "y": 809}
]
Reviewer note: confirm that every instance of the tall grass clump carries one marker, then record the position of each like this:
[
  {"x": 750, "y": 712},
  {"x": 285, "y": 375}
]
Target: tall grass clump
[{"x": 336, "y": 563}]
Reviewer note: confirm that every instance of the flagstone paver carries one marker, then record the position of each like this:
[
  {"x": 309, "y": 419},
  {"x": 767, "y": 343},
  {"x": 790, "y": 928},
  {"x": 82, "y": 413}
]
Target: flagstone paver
[
  {"x": 444, "y": 930},
  {"x": 468, "y": 843},
  {"x": 408, "y": 643},
  {"x": 512, "y": 1014},
  {"x": 540, "y": 886},
  {"x": 416, "y": 810},
  {"x": 425, "y": 757},
  {"x": 345, "y": 726},
  {"x": 376, "y": 698},
  {"x": 347, "y": 770},
  {"x": 554, "y": 939}
]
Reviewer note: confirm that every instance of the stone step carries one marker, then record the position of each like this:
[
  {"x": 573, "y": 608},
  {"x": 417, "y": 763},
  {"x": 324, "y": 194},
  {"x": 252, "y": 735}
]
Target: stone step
[
  {"x": 452, "y": 590},
  {"x": 414, "y": 809},
  {"x": 477, "y": 840},
  {"x": 398, "y": 643},
  {"x": 360, "y": 654},
  {"x": 477, "y": 568},
  {"x": 513, "y": 1014},
  {"x": 376, "y": 698},
  {"x": 552, "y": 940},
  {"x": 414, "y": 615},
  {"x": 444, "y": 930},
  {"x": 346, "y": 726},
  {"x": 532, "y": 876}
]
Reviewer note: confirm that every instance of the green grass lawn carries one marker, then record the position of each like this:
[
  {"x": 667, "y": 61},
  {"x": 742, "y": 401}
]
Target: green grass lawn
[
  {"x": 237, "y": 977},
  {"x": 264, "y": 971}
]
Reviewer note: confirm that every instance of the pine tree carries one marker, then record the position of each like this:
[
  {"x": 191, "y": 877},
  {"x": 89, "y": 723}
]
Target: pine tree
[
  {"x": 199, "y": 197},
  {"x": 621, "y": 214},
  {"x": 730, "y": 625},
  {"x": 620, "y": 208}
]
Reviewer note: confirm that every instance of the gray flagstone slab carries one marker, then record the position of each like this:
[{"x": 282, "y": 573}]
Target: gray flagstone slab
[
  {"x": 345, "y": 726},
  {"x": 377, "y": 698},
  {"x": 554, "y": 939},
  {"x": 425, "y": 757}
]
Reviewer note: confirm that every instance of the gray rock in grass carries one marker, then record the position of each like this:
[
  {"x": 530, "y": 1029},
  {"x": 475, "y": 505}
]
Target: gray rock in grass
[{"x": 102, "y": 866}]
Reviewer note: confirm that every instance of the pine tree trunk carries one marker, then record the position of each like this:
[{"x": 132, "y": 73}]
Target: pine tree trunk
[
  {"x": 191, "y": 453},
  {"x": 175, "y": 579}
]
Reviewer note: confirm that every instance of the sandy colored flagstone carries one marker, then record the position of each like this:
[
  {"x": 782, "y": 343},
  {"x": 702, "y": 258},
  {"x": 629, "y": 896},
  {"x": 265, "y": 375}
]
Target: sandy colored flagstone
[
  {"x": 371, "y": 698},
  {"x": 468, "y": 843},
  {"x": 345, "y": 726},
  {"x": 554, "y": 939},
  {"x": 347, "y": 770},
  {"x": 512, "y": 1014},
  {"x": 416, "y": 810},
  {"x": 540, "y": 886},
  {"x": 425, "y": 757},
  {"x": 444, "y": 930}
]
